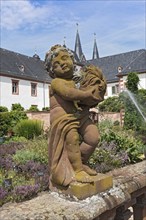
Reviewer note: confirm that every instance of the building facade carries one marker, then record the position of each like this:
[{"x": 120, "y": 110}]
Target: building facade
[{"x": 24, "y": 79}]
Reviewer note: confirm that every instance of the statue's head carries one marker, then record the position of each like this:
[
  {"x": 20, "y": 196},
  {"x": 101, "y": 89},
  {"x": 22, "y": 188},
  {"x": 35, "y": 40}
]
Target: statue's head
[{"x": 59, "y": 62}]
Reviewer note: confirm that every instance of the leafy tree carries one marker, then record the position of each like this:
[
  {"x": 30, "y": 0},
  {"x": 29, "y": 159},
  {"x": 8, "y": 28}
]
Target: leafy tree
[
  {"x": 132, "y": 82},
  {"x": 133, "y": 119},
  {"x": 111, "y": 104}
]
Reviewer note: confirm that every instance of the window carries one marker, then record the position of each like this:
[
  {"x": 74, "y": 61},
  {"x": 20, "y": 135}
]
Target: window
[
  {"x": 115, "y": 89},
  {"x": 33, "y": 89},
  {"x": 15, "y": 87}
]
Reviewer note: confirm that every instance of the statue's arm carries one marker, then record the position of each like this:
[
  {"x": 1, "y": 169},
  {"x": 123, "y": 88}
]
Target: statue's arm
[{"x": 69, "y": 93}]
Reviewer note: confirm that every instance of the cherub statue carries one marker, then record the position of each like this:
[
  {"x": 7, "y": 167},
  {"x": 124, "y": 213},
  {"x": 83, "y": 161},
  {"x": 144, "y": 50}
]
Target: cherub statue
[{"x": 69, "y": 119}]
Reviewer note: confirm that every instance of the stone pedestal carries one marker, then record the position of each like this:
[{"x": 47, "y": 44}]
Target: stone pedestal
[{"x": 101, "y": 182}]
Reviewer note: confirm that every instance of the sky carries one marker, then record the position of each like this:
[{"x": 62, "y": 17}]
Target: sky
[{"x": 29, "y": 26}]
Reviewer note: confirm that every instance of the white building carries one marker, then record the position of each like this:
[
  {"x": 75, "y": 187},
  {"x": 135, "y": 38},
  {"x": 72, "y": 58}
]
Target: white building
[{"x": 23, "y": 80}]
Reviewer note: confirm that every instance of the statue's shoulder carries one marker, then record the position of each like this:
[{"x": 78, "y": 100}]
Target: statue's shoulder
[
  {"x": 57, "y": 83},
  {"x": 56, "y": 80}
]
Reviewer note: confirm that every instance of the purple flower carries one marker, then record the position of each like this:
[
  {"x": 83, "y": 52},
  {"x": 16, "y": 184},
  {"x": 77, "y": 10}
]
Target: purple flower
[
  {"x": 25, "y": 192},
  {"x": 3, "y": 194},
  {"x": 6, "y": 162}
]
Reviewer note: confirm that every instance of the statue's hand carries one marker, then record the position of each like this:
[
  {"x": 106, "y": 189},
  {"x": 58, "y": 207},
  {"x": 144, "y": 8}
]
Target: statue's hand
[
  {"x": 91, "y": 97},
  {"x": 90, "y": 92}
]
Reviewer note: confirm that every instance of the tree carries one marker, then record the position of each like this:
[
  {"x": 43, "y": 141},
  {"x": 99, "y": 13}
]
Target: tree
[
  {"x": 132, "y": 82},
  {"x": 133, "y": 119}
]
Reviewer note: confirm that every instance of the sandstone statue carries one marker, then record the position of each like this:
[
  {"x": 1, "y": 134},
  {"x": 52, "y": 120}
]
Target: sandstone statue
[{"x": 73, "y": 136}]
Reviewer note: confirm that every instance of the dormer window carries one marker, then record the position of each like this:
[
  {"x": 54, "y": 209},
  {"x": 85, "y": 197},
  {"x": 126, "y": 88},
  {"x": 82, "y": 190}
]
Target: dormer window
[
  {"x": 21, "y": 68},
  {"x": 120, "y": 68}
]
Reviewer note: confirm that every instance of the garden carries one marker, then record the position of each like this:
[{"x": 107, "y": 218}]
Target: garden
[{"x": 24, "y": 146}]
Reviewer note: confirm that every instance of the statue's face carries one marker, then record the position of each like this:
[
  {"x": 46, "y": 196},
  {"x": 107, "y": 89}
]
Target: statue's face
[{"x": 62, "y": 65}]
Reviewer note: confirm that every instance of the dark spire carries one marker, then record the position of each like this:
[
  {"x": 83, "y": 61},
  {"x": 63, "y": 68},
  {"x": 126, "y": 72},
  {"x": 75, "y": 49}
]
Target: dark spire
[
  {"x": 95, "y": 49},
  {"x": 64, "y": 44},
  {"x": 78, "y": 47}
]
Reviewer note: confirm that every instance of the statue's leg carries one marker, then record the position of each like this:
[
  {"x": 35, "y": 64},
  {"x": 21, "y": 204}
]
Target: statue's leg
[
  {"x": 90, "y": 135},
  {"x": 74, "y": 156},
  {"x": 73, "y": 149}
]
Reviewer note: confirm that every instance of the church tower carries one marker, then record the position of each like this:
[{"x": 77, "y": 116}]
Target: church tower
[
  {"x": 95, "y": 49},
  {"x": 78, "y": 47}
]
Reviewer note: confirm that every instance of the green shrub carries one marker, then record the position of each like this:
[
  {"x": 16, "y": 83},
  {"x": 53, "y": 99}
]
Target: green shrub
[
  {"x": 132, "y": 82},
  {"x": 117, "y": 148},
  {"x": 9, "y": 119},
  {"x": 16, "y": 139},
  {"x": 33, "y": 109},
  {"x": 135, "y": 120},
  {"x": 111, "y": 104},
  {"x": 3, "y": 109},
  {"x": 36, "y": 150},
  {"x": 46, "y": 109},
  {"x": 17, "y": 116},
  {"x": 29, "y": 128},
  {"x": 17, "y": 107},
  {"x": 5, "y": 122}
]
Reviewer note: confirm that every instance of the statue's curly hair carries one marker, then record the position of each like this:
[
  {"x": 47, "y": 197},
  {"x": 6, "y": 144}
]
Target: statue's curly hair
[{"x": 53, "y": 52}]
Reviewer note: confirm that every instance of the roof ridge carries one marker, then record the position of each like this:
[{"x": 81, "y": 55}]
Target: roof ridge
[
  {"x": 114, "y": 55},
  {"x": 133, "y": 60},
  {"x": 17, "y": 53}
]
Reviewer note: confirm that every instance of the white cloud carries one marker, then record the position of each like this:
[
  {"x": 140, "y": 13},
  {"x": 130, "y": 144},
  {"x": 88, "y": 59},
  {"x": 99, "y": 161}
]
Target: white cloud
[
  {"x": 26, "y": 26},
  {"x": 16, "y": 14}
]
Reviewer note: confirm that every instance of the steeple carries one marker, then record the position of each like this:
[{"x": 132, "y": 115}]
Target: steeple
[
  {"x": 78, "y": 47},
  {"x": 95, "y": 49},
  {"x": 64, "y": 43}
]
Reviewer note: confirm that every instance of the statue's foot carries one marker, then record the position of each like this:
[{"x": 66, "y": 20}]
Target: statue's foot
[
  {"x": 88, "y": 170},
  {"x": 83, "y": 177}
]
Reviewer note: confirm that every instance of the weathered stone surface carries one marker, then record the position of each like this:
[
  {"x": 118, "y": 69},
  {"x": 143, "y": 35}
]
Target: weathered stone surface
[
  {"x": 52, "y": 206},
  {"x": 101, "y": 183}
]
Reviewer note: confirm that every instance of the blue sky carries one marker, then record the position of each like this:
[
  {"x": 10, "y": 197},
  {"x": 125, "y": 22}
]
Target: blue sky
[{"x": 35, "y": 25}]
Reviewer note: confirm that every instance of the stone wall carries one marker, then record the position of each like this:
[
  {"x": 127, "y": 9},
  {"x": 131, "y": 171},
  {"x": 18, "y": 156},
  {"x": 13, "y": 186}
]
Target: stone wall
[
  {"x": 96, "y": 117},
  {"x": 113, "y": 116},
  {"x": 43, "y": 116}
]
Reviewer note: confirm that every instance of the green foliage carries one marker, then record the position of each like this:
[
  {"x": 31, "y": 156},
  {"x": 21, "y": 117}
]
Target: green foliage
[
  {"x": 36, "y": 150},
  {"x": 3, "y": 109},
  {"x": 16, "y": 139},
  {"x": 117, "y": 148},
  {"x": 111, "y": 104},
  {"x": 133, "y": 119},
  {"x": 33, "y": 109},
  {"x": 17, "y": 107},
  {"x": 132, "y": 82},
  {"x": 22, "y": 156},
  {"x": 141, "y": 100},
  {"x": 9, "y": 119},
  {"x": 17, "y": 116},
  {"x": 29, "y": 128},
  {"x": 46, "y": 109},
  {"x": 5, "y": 122}
]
